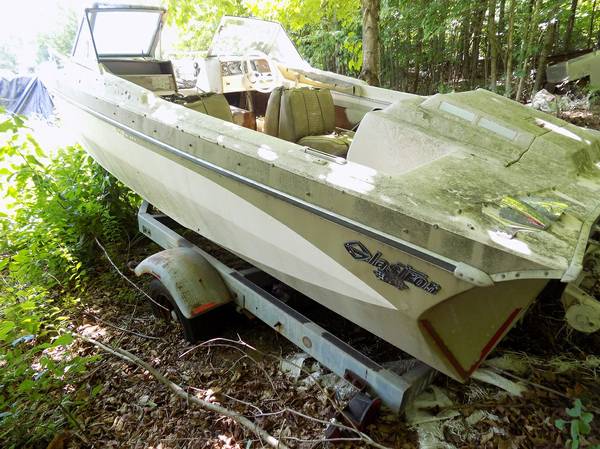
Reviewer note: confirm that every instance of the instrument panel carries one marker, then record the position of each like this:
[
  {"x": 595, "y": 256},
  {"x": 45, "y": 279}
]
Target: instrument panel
[
  {"x": 260, "y": 65},
  {"x": 239, "y": 74},
  {"x": 231, "y": 68},
  {"x": 228, "y": 74}
]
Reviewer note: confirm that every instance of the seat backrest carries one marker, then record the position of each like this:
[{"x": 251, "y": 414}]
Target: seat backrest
[
  {"x": 215, "y": 105},
  {"x": 296, "y": 113}
]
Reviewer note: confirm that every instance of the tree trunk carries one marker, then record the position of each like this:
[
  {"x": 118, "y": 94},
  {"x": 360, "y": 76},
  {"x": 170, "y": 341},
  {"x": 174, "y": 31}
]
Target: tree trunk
[
  {"x": 502, "y": 19},
  {"x": 370, "y": 41},
  {"x": 478, "y": 17},
  {"x": 465, "y": 43},
  {"x": 418, "y": 56},
  {"x": 509, "y": 49},
  {"x": 493, "y": 43},
  {"x": 501, "y": 34},
  {"x": 592, "y": 18},
  {"x": 546, "y": 50},
  {"x": 533, "y": 22},
  {"x": 570, "y": 26}
]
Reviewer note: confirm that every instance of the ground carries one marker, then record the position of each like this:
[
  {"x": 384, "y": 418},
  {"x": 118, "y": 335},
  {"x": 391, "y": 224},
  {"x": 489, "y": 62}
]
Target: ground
[{"x": 130, "y": 409}]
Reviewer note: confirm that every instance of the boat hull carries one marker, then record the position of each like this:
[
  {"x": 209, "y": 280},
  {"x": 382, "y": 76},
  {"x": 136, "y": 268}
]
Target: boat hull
[{"x": 444, "y": 321}]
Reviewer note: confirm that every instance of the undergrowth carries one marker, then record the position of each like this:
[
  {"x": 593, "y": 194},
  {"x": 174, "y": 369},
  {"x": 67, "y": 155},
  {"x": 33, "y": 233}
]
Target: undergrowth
[{"x": 52, "y": 207}]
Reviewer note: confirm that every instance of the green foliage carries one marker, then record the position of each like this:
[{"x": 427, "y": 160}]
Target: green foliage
[
  {"x": 578, "y": 427},
  {"x": 55, "y": 208},
  {"x": 61, "y": 38},
  {"x": 37, "y": 370},
  {"x": 424, "y": 43},
  {"x": 324, "y": 31},
  {"x": 52, "y": 208},
  {"x": 8, "y": 58},
  {"x": 198, "y": 21}
]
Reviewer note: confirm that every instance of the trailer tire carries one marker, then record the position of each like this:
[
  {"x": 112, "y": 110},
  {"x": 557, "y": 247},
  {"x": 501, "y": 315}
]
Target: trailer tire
[{"x": 159, "y": 293}]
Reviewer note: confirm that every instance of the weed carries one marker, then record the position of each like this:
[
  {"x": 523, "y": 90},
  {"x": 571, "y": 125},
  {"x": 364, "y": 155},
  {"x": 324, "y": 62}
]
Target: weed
[{"x": 579, "y": 426}]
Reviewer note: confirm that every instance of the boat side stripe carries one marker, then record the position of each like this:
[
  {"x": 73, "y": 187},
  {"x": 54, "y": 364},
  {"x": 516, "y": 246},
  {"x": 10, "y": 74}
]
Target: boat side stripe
[{"x": 406, "y": 247}]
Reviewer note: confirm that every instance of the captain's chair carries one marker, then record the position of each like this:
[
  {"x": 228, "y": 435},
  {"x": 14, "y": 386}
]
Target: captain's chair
[
  {"x": 215, "y": 105},
  {"x": 307, "y": 117}
]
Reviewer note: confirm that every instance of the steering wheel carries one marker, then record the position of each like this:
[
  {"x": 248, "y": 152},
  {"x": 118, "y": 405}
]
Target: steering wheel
[{"x": 260, "y": 81}]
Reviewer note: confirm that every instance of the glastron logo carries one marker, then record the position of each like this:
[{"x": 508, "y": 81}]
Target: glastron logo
[{"x": 396, "y": 274}]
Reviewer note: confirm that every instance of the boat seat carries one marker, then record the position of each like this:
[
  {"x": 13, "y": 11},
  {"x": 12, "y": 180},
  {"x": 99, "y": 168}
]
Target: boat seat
[
  {"x": 215, "y": 105},
  {"x": 307, "y": 117}
]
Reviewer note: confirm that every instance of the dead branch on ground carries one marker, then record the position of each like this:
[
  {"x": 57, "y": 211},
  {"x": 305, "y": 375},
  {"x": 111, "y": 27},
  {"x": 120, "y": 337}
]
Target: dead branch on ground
[
  {"x": 179, "y": 391},
  {"x": 126, "y": 278},
  {"x": 228, "y": 343}
]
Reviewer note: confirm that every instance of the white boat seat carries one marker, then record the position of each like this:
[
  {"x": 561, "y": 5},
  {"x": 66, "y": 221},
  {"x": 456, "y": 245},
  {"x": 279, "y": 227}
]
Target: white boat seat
[
  {"x": 215, "y": 105},
  {"x": 307, "y": 117}
]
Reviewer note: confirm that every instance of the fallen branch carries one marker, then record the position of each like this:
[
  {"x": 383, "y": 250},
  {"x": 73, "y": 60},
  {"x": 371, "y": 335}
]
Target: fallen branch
[
  {"x": 245, "y": 422},
  {"x": 122, "y": 329},
  {"x": 127, "y": 279},
  {"x": 361, "y": 436},
  {"x": 540, "y": 386}
]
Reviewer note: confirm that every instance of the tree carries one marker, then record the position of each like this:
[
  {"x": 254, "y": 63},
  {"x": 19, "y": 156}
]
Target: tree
[
  {"x": 370, "y": 39},
  {"x": 527, "y": 47},
  {"x": 61, "y": 38},
  {"x": 421, "y": 45},
  {"x": 509, "y": 49},
  {"x": 493, "y": 39},
  {"x": 591, "y": 30},
  {"x": 477, "y": 27},
  {"x": 8, "y": 58},
  {"x": 570, "y": 25},
  {"x": 546, "y": 50}
]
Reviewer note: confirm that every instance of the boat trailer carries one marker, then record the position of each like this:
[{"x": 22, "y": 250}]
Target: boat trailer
[{"x": 376, "y": 383}]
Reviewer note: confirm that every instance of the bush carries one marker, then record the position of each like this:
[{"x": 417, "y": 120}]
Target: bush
[
  {"x": 53, "y": 207},
  {"x": 56, "y": 207},
  {"x": 38, "y": 371}
]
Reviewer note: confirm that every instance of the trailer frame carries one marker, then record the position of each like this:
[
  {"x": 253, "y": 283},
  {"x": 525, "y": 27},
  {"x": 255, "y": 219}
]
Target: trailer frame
[{"x": 395, "y": 390}]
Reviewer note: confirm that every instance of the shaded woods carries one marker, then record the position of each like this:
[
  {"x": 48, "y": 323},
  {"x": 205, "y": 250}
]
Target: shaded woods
[{"x": 422, "y": 46}]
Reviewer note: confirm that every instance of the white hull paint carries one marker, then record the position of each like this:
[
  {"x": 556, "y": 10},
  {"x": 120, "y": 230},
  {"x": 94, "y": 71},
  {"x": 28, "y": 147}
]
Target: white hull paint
[
  {"x": 213, "y": 211},
  {"x": 403, "y": 318}
]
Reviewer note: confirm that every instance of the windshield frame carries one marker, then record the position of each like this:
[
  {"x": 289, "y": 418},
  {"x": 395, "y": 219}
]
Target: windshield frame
[
  {"x": 89, "y": 18},
  {"x": 293, "y": 56}
]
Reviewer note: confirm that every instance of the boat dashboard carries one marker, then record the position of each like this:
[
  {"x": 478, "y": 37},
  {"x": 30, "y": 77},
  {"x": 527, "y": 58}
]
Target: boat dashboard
[{"x": 227, "y": 74}]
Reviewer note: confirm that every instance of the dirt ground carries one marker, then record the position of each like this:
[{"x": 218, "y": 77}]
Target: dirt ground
[{"x": 124, "y": 407}]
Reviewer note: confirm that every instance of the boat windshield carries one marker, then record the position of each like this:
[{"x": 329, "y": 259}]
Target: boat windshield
[
  {"x": 238, "y": 36},
  {"x": 125, "y": 31}
]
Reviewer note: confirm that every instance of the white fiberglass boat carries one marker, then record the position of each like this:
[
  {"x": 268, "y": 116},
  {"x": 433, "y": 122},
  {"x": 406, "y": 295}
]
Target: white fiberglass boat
[{"x": 433, "y": 222}]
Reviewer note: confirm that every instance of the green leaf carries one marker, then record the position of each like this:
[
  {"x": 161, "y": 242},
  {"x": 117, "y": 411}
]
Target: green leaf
[
  {"x": 584, "y": 428},
  {"x": 6, "y": 126},
  {"x": 587, "y": 417},
  {"x": 32, "y": 160},
  {"x": 26, "y": 386},
  {"x": 560, "y": 424},
  {"x": 5, "y": 328},
  {"x": 97, "y": 389},
  {"x": 63, "y": 340},
  {"x": 575, "y": 433},
  {"x": 18, "y": 121},
  {"x": 575, "y": 412}
]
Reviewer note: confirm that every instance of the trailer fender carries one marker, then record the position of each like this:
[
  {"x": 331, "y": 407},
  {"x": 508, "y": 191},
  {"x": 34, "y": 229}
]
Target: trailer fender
[{"x": 196, "y": 287}]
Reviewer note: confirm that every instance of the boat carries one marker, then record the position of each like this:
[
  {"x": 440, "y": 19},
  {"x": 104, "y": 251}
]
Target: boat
[{"x": 433, "y": 222}]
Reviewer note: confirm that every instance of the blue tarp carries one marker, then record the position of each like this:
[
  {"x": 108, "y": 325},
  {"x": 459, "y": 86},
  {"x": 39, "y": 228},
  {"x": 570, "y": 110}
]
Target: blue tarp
[{"x": 25, "y": 95}]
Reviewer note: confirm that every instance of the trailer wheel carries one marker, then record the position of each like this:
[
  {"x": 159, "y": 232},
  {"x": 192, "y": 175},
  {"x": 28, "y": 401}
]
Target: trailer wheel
[{"x": 158, "y": 292}]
